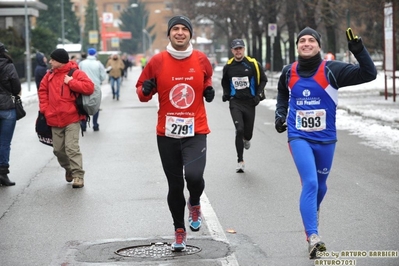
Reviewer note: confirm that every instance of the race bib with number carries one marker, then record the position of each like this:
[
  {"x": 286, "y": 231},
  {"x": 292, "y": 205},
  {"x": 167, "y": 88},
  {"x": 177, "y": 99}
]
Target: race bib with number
[
  {"x": 179, "y": 127},
  {"x": 240, "y": 82},
  {"x": 310, "y": 120}
]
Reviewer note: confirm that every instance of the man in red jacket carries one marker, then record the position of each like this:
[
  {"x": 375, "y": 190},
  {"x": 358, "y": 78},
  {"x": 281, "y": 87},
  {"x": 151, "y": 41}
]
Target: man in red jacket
[{"x": 57, "y": 97}]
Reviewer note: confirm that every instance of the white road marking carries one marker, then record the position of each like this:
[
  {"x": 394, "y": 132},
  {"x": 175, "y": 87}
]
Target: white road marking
[{"x": 215, "y": 229}]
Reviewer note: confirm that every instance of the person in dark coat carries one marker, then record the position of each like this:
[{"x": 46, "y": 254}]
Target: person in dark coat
[
  {"x": 10, "y": 87},
  {"x": 41, "y": 68}
]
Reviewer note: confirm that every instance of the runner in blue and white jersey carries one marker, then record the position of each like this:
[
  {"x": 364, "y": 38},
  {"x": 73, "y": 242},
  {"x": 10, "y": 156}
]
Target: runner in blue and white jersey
[{"x": 307, "y": 100}]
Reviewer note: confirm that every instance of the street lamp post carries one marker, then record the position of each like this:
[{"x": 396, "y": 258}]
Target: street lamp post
[
  {"x": 62, "y": 22},
  {"x": 149, "y": 41},
  {"x": 143, "y": 31},
  {"x": 95, "y": 23},
  {"x": 28, "y": 62}
]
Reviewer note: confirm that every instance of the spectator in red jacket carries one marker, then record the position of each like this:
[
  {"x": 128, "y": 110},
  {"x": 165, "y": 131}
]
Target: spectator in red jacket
[{"x": 57, "y": 96}]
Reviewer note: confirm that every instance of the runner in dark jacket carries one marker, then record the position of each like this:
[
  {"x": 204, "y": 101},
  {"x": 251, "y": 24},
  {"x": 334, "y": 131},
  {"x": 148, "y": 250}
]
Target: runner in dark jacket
[{"x": 243, "y": 83}]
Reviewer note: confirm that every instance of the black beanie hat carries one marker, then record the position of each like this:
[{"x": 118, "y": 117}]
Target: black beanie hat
[
  {"x": 60, "y": 55},
  {"x": 180, "y": 20},
  {"x": 309, "y": 31}
]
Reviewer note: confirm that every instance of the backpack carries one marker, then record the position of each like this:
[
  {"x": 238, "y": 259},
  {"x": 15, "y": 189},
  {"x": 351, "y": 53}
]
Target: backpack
[{"x": 88, "y": 104}]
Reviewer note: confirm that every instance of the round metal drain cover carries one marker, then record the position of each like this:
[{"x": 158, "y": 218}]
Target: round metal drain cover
[{"x": 155, "y": 250}]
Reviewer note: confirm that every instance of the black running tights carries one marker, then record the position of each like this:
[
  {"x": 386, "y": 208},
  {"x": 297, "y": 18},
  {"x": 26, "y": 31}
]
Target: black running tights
[{"x": 183, "y": 159}]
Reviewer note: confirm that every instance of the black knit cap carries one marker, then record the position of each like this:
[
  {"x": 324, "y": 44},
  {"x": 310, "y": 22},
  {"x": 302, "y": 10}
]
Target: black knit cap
[
  {"x": 180, "y": 20},
  {"x": 309, "y": 31},
  {"x": 60, "y": 55}
]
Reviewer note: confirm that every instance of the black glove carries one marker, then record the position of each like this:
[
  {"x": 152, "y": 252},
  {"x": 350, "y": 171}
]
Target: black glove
[
  {"x": 256, "y": 100},
  {"x": 226, "y": 98},
  {"x": 148, "y": 86},
  {"x": 280, "y": 125},
  {"x": 355, "y": 43},
  {"x": 209, "y": 94}
]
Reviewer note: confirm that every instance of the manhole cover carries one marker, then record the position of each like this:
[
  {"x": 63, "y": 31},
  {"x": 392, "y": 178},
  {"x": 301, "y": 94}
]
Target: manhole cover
[{"x": 155, "y": 250}]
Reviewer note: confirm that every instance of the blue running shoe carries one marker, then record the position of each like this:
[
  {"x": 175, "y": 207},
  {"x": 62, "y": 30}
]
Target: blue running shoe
[
  {"x": 194, "y": 216},
  {"x": 180, "y": 240}
]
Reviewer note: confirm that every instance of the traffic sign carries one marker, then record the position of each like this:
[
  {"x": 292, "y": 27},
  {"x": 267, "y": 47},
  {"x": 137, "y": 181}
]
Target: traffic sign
[
  {"x": 93, "y": 36},
  {"x": 272, "y": 29},
  {"x": 115, "y": 42},
  {"x": 108, "y": 18}
]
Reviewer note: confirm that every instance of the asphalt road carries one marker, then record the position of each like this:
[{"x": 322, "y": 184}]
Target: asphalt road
[{"x": 250, "y": 219}]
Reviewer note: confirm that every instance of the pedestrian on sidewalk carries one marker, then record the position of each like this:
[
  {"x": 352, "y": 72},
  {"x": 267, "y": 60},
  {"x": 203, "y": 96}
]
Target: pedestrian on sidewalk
[
  {"x": 40, "y": 69},
  {"x": 115, "y": 74},
  {"x": 10, "y": 87},
  {"x": 243, "y": 83},
  {"x": 96, "y": 72},
  {"x": 143, "y": 62},
  {"x": 127, "y": 63},
  {"x": 181, "y": 76},
  {"x": 57, "y": 101},
  {"x": 307, "y": 100}
]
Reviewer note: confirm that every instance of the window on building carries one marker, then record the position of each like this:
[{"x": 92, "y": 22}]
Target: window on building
[
  {"x": 168, "y": 5},
  {"x": 117, "y": 7}
]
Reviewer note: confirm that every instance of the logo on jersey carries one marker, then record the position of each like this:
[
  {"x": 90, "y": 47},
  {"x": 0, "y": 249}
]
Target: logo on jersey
[
  {"x": 182, "y": 96},
  {"x": 306, "y": 93}
]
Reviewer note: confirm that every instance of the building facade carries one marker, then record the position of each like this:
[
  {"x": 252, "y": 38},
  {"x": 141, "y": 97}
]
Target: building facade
[
  {"x": 13, "y": 12},
  {"x": 159, "y": 13}
]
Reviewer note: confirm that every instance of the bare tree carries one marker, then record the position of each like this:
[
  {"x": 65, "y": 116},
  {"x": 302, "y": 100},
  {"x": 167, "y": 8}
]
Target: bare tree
[
  {"x": 329, "y": 19},
  {"x": 249, "y": 19}
]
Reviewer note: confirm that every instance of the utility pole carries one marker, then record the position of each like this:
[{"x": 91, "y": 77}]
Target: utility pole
[
  {"x": 62, "y": 22},
  {"x": 27, "y": 46}
]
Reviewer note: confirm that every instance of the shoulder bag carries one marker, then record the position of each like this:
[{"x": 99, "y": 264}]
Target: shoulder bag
[
  {"x": 19, "y": 108},
  {"x": 43, "y": 130}
]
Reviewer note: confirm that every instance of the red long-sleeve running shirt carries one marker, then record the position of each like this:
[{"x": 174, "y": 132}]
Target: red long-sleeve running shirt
[{"x": 180, "y": 85}]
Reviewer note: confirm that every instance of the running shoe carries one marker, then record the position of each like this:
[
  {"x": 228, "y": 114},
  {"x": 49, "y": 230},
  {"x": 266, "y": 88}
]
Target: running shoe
[
  {"x": 194, "y": 216},
  {"x": 247, "y": 144},
  {"x": 240, "y": 167},
  {"x": 180, "y": 240},
  {"x": 315, "y": 245}
]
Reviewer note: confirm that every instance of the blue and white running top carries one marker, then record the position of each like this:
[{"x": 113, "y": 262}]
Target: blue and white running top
[{"x": 312, "y": 106}]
